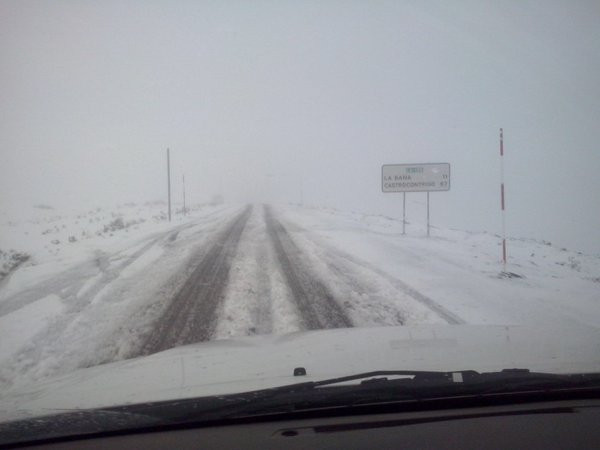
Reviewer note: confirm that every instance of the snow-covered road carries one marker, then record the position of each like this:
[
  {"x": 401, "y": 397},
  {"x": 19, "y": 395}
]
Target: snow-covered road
[
  {"x": 253, "y": 269},
  {"x": 192, "y": 314}
]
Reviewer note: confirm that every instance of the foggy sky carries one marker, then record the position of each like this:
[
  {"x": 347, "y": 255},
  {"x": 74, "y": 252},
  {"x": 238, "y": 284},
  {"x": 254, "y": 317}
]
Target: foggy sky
[{"x": 269, "y": 101}]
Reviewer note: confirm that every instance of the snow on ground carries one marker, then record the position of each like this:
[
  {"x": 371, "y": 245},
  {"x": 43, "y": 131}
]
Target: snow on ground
[
  {"x": 257, "y": 300},
  {"x": 458, "y": 270},
  {"x": 94, "y": 299},
  {"x": 20, "y": 326},
  {"x": 54, "y": 240}
]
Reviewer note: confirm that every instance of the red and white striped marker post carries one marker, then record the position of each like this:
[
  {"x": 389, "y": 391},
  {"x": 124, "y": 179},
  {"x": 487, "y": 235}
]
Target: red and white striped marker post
[{"x": 502, "y": 203}]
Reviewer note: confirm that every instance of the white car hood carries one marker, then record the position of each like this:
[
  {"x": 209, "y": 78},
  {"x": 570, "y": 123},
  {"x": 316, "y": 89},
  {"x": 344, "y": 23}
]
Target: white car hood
[{"x": 232, "y": 366}]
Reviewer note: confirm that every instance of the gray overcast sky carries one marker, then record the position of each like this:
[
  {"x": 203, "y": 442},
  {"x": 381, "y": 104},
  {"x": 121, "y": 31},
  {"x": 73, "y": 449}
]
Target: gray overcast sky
[{"x": 256, "y": 98}]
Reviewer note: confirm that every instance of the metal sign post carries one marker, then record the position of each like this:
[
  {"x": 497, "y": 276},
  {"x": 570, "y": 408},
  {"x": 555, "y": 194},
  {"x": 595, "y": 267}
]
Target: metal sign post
[
  {"x": 183, "y": 194},
  {"x": 404, "y": 213},
  {"x": 427, "y": 213},
  {"x": 169, "y": 181},
  {"x": 405, "y": 178}
]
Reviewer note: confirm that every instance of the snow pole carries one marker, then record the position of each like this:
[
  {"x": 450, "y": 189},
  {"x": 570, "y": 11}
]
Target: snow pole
[{"x": 502, "y": 201}]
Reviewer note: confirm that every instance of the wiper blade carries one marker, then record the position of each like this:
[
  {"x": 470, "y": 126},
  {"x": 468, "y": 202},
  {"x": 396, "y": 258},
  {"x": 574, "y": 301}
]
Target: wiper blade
[
  {"x": 379, "y": 386},
  {"x": 412, "y": 377},
  {"x": 374, "y": 387},
  {"x": 370, "y": 377}
]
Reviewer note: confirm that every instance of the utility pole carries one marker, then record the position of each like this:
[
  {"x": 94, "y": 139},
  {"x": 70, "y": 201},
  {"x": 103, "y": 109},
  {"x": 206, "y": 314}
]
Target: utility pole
[
  {"x": 184, "y": 194},
  {"x": 169, "y": 181}
]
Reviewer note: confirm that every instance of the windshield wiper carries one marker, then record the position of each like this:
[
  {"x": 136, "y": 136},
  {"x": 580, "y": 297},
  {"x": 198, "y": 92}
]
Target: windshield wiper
[
  {"x": 403, "y": 385},
  {"x": 505, "y": 377},
  {"x": 377, "y": 387},
  {"x": 370, "y": 377},
  {"x": 362, "y": 390}
]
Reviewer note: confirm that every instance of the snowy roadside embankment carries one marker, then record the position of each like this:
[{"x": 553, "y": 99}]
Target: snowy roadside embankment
[{"x": 51, "y": 240}]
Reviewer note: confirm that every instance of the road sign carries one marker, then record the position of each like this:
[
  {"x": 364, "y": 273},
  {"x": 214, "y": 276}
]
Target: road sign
[{"x": 415, "y": 177}]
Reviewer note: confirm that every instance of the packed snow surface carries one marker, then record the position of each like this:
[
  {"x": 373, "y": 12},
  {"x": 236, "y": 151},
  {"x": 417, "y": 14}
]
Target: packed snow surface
[{"x": 93, "y": 284}]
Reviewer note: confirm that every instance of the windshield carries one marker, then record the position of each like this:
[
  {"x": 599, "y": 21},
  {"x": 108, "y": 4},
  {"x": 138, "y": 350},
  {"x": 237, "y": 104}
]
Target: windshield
[{"x": 198, "y": 198}]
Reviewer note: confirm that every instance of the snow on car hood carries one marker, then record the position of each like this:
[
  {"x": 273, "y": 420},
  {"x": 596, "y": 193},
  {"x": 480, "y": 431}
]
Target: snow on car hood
[{"x": 250, "y": 363}]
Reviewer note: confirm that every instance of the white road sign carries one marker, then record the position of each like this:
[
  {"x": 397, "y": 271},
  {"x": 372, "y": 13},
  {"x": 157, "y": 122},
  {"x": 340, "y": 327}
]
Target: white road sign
[{"x": 415, "y": 177}]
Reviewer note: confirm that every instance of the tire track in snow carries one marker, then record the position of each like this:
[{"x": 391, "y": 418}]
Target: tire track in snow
[
  {"x": 78, "y": 285},
  {"x": 248, "y": 303},
  {"x": 341, "y": 264},
  {"x": 262, "y": 313},
  {"x": 444, "y": 313},
  {"x": 106, "y": 313},
  {"x": 191, "y": 315},
  {"x": 82, "y": 335},
  {"x": 258, "y": 300},
  {"x": 315, "y": 303}
]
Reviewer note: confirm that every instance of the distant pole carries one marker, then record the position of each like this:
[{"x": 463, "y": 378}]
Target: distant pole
[
  {"x": 404, "y": 213},
  {"x": 184, "y": 194},
  {"x": 427, "y": 213},
  {"x": 169, "y": 181},
  {"x": 502, "y": 202}
]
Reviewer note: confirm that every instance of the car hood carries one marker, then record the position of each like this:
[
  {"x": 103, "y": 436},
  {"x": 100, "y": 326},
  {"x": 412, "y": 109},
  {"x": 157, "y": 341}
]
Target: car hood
[{"x": 251, "y": 363}]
